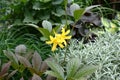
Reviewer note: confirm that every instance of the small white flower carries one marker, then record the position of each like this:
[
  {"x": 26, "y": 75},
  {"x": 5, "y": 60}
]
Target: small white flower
[{"x": 20, "y": 49}]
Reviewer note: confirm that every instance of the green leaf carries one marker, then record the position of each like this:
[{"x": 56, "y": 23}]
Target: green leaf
[
  {"x": 78, "y": 13},
  {"x": 56, "y": 2},
  {"x": 85, "y": 71},
  {"x": 24, "y": 1},
  {"x": 105, "y": 22},
  {"x": 43, "y": 38},
  {"x": 72, "y": 67},
  {"x": 74, "y": 7},
  {"x": 47, "y": 25},
  {"x": 29, "y": 18},
  {"x": 52, "y": 73},
  {"x": 59, "y": 12},
  {"x": 55, "y": 29},
  {"x": 44, "y": 32},
  {"x": 45, "y": 1},
  {"x": 57, "y": 70}
]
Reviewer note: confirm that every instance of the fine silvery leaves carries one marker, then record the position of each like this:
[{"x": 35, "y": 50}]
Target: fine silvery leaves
[
  {"x": 105, "y": 22},
  {"x": 47, "y": 25},
  {"x": 85, "y": 71}
]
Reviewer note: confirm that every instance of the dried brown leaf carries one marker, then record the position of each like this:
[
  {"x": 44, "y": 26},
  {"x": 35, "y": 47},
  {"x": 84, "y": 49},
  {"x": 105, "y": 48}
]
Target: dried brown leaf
[
  {"x": 50, "y": 78},
  {"x": 44, "y": 65},
  {"x": 36, "y": 61},
  {"x": 22, "y": 78},
  {"x": 24, "y": 61},
  {"x": 5, "y": 68},
  {"x": 11, "y": 74},
  {"x": 36, "y": 77}
]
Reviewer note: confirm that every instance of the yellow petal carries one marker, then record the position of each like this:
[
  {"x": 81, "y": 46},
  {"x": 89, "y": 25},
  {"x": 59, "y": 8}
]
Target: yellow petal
[
  {"x": 67, "y": 32},
  {"x": 54, "y": 47},
  {"x": 64, "y": 42},
  {"x": 68, "y": 37},
  {"x": 49, "y": 42},
  {"x": 61, "y": 45},
  {"x": 63, "y": 30},
  {"x": 51, "y": 37}
]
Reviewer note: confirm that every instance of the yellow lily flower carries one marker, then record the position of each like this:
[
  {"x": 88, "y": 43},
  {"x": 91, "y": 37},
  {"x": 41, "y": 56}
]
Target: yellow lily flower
[
  {"x": 55, "y": 41},
  {"x": 59, "y": 39}
]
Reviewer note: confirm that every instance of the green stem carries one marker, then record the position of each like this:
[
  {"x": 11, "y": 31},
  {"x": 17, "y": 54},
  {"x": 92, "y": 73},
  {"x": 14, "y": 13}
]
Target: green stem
[{"x": 65, "y": 56}]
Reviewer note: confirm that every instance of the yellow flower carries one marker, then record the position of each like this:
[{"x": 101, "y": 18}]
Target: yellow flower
[
  {"x": 55, "y": 41},
  {"x": 59, "y": 39},
  {"x": 64, "y": 36}
]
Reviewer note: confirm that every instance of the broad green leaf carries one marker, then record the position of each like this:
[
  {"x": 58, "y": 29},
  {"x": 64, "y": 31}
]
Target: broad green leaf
[
  {"x": 24, "y": 1},
  {"x": 56, "y": 69},
  {"x": 72, "y": 67},
  {"x": 52, "y": 73},
  {"x": 56, "y": 2},
  {"x": 36, "y": 61},
  {"x": 74, "y": 7},
  {"x": 59, "y": 12},
  {"x": 36, "y": 6},
  {"x": 55, "y": 29},
  {"x": 43, "y": 38},
  {"x": 29, "y": 18},
  {"x": 78, "y": 13},
  {"x": 118, "y": 16},
  {"x": 113, "y": 28},
  {"x": 44, "y": 32},
  {"x": 85, "y": 71},
  {"x": 45, "y": 1},
  {"x": 112, "y": 25},
  {"x": 105, "y": 22},
  {"x": 47, "y": 25}
]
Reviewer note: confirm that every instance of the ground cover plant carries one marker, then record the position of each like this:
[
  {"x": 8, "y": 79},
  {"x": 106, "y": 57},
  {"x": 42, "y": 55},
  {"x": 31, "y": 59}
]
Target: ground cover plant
[
  {"x": 104, "y": 52},
  {"x": 59, "y": 40}
]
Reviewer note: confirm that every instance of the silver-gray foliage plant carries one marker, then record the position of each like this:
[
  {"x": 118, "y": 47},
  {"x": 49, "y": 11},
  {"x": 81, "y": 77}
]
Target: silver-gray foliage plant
[{"x": 105, "y": 52}]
